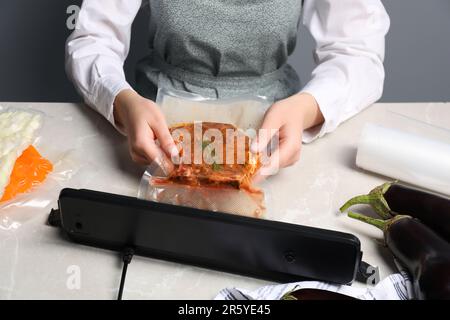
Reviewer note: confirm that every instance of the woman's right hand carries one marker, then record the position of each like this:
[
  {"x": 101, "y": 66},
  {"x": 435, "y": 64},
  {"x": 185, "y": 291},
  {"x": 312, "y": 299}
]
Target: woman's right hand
[{"x": 143, "y": 122}]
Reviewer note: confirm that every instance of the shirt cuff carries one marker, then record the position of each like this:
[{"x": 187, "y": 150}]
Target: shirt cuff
[
  {"x": 104, "y": 94},
  {"x": 328, "y": 105}
]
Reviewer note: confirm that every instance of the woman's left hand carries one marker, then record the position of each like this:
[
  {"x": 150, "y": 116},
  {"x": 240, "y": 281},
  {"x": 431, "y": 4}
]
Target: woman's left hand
[{"x": 286, "y": 118}]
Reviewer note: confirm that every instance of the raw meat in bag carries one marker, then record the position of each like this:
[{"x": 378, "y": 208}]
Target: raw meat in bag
[{"x": 215, "y": 166}]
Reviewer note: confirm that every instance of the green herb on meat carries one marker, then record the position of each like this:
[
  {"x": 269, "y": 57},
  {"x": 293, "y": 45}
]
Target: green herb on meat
[
  {"x": 205, "y": 143},
  {"x": 216, "y": 166}
]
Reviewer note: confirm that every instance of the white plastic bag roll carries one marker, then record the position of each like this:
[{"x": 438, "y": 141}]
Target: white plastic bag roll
[{"x": 406, "y": 157}]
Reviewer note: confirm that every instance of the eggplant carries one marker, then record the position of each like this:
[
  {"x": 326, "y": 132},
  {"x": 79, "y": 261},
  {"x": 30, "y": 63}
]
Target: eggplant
[
  {"x": 423, "y": 253},
  {"x": 393, "y": 198}
]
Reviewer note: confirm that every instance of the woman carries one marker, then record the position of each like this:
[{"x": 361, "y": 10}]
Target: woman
[{"x": 221, "y": 48}]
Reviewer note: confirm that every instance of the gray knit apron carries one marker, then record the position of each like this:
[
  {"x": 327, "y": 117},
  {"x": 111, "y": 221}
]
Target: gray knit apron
[{"x": 221, "y": 48}]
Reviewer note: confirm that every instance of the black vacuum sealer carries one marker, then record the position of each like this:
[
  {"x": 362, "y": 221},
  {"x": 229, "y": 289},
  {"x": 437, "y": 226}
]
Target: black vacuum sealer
[{"x": 270, "y": 250}]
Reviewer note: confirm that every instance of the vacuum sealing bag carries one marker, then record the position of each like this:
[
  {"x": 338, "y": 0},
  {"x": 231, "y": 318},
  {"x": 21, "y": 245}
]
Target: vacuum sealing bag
[
  {"x": 29, "y": 169},
  {"x": 245, "y": 113}
]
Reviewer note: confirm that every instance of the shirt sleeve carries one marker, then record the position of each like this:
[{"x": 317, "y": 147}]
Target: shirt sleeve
[
  {"x": 350, "y": 41},
  {"x": 97, "y": 49}
]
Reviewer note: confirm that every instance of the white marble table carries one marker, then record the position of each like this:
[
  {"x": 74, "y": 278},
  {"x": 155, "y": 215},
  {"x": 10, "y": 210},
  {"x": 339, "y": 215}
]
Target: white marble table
[{"x": 36, "y": 262}]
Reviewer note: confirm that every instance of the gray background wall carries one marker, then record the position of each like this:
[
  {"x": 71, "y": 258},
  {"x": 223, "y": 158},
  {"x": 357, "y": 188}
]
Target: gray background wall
[{"x": 33, "y": 33}]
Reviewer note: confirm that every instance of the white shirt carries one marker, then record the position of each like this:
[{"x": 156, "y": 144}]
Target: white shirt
[{"x": 349, "y": 35}]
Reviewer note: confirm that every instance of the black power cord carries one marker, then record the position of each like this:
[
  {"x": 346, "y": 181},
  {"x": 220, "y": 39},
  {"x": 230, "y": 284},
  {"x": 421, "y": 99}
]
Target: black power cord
[{"x": 126, "y": 258}]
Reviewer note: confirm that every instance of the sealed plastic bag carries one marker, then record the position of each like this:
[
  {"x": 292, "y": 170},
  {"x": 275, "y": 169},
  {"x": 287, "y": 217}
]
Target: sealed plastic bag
[
  {"x": 210, "y": 185},
  {"x": 222, "y": 199},
  {"x": 29, "y": 169},
  {"x": 18, "y": 130}
]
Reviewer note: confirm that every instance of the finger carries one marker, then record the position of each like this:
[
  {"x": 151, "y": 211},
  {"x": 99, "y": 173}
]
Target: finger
[
  {"x": 269, "y": 128},
  {"x": 162, "y": 160},
  {"x": 288, "y": 151},
  {"x": 164, "y": 164},
  {"x": 147, "y": 150},
  {"x": 287, "y": 154},
  {"x": 165, "y": 139},
  {"x": 145, "y": 146},
  {"x": 139, "y": 159}
]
